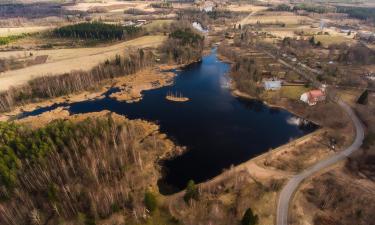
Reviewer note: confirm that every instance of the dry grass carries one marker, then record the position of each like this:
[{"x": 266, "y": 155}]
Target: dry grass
[
  {"x": 274, "y": 18},
  {"x": 245, "y": 8},
  {"x": 112, "y": 6},
  {"x": 7, "y": 31},
  {"x": 350, "y": 96},
  {"x": 327, "y": 40},
  {"x": 157, "y": 24},
  {"x": 65, "y": 60},
  {"x": 290, "y": 92},
  {"x": 289, "y": 31},
  {"x": 334, "y": 197}
]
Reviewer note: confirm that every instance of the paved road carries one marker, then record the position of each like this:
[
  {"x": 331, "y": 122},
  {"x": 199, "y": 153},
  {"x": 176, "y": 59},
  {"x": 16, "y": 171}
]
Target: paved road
[{"x": 292, "y": 185}]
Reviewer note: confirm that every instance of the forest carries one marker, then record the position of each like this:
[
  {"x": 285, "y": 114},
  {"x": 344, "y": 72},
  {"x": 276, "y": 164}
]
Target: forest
[
  {"x": 358, "y": 12},
  {"x": 184, "y": 45},
  {"x": 97, "y": 31},
  {"x": 81, "y": 171},
  {"x": 245, "y": 71},
  {"x": 315, "y": 8},
  {"x": 75, "y": 81}
]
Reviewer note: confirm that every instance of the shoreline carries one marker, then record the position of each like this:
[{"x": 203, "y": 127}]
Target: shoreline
[{"x": 126, "y": 93}]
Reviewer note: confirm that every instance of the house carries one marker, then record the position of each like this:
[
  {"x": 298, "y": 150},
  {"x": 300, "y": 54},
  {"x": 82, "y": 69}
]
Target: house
[
  {"x": 313, "y": 97},
  {"x": 365, "y": 36},
  {"x": 229, "y": 35},
  {"x": 272, "y": 85},
  {"x": 370, "y": 76}
]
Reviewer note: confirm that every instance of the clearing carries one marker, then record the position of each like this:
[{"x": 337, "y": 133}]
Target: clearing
[
  {"x": 277, "y": 18},
  {"x": 65, "y": 60}
]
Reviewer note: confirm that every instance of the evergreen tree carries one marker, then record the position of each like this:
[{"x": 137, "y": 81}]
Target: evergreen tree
[
  {"x": 191, "y": 192},
  {"x": 249, "y": 218},
  {"x": 150, "y": 201}
]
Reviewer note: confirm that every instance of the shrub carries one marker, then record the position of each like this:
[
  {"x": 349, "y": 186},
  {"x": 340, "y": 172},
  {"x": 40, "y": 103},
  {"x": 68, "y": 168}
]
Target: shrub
[
  {"x": 150, "y": 201},
  {"x": 191, "y": 192}
]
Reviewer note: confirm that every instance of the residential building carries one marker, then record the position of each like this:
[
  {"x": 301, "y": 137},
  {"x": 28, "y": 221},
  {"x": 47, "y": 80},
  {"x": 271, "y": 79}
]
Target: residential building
[
  {"x": 272, "y": 85},
  {"x": 313, "y": 97}
]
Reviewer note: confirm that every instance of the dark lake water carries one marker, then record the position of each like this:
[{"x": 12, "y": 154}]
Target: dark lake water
[{"x": 219, "y": 130}]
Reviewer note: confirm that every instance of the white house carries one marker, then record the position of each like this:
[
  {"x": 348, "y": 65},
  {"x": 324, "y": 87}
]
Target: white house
[{"x": 272, "y": 85}]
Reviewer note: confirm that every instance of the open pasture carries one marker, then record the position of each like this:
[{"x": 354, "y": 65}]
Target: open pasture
[{"x": 65, "y": 60}]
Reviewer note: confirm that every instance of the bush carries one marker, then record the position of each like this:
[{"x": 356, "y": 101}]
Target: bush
[
  {"x": 363, "y": 99},
  {"x": 150, "y": 201}
]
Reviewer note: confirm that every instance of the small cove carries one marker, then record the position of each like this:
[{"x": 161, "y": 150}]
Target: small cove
[{"x": 218, "y": 129}]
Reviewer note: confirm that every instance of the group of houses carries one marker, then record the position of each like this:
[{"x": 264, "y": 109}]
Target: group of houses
[
  {"x": 137, "y": 23},
  {"x": 311, "y": 97},
  {"x": 370, "y": 76},
  {"x": 365, "y": 36}
]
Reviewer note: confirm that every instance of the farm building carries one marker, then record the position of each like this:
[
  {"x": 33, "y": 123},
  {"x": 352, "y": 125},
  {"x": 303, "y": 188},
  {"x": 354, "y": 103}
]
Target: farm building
[
  {"x": 272, "y": 85},
  {"x": 313, "y": 97},
  {"x": 365, "y": 36}
]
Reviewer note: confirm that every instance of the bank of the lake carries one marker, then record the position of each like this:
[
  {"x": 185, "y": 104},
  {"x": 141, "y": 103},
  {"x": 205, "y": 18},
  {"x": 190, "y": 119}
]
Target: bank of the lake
[{"x": 218, "y": 129}]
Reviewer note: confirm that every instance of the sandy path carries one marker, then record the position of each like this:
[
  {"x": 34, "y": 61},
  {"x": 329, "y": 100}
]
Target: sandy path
[{"x": 65, "y": 60}]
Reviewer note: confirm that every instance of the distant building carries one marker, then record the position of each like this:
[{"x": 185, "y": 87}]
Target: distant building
[
  {"x": 365, "y": 36},
  {"x": 370, "y": 76},
  {"x": 272, "y": 85},
  {"x": 229, "y": 35},
  {"x": 313, "y": 97},
  {"x": 129, "y": 23}
]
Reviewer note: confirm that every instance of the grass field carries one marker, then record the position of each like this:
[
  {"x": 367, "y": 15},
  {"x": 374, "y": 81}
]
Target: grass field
[
  {"x": 245, "y": 8},
  {"x": 157, "y": 24},
  {"x": 65, "y": 60},
  {"x": 327, "y": 40},
  {"x": 112, "y": 5},
  {"x": 7, "y": 31},
  {"x": 268, "y": 18},
  {"x": 290, "y": 92}
]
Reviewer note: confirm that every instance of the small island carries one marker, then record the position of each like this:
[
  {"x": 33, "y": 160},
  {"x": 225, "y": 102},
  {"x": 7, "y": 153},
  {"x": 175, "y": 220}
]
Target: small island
[{"x": 176, "y": 97}]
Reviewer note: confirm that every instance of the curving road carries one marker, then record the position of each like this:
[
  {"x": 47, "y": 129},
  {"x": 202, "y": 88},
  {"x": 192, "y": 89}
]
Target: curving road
[{"x": 292, "y": 185}]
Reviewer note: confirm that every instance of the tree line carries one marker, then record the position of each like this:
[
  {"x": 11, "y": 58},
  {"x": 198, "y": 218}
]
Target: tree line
[
  {"x": 358, "y": 12},
  {"x": 97, "y": 30},
  {"x": 69, "y": 170},
  {"x": 245, "y": 72},
  {"x": 75, "y": 81},
  {"x": 184, "y": 45}
]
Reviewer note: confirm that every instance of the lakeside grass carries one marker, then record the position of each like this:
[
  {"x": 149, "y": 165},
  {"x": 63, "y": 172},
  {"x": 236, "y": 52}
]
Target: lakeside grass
[{"x": 290, "y": 92}]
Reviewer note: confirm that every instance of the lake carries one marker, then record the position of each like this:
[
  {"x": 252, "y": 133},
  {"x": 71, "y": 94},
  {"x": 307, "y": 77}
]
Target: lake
[{"x": 218, "y": 129}]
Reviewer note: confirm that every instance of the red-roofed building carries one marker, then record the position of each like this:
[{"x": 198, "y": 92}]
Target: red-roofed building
[{"x": 312, "y": 97}]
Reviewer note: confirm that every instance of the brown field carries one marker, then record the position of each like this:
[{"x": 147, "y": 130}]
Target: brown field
[
  {"x": 245, "y": 8},
  {"x": 65, "y": 60},
  {"x": 112, "y": 5},
  {"x": 7, "y": 31},
  {"x": 327, "y": 40},
  {"x": 286, "y": 18}
]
